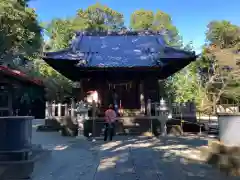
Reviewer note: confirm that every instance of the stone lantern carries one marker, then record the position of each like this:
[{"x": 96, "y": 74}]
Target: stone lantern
[
  {"x": 82, "y": 115},
  {"x": 163, "y": 113}
]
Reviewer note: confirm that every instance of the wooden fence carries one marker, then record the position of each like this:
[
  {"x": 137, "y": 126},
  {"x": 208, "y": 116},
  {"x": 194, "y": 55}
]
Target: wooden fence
[
  {"x": 177, "y": 110},
  {"x": 59, "y": 110},
  {"x": 228, "y": 108}
]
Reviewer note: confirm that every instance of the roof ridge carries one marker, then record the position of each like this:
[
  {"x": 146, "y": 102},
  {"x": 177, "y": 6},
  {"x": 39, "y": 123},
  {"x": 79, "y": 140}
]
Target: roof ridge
[{"x": 120, "y": 33}]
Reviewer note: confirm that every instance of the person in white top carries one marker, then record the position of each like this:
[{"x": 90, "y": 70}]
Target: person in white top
[{"x": 110, "y": 118}]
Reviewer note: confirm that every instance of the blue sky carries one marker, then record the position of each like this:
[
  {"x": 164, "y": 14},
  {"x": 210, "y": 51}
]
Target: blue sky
[{"x": 190, "y": 17}]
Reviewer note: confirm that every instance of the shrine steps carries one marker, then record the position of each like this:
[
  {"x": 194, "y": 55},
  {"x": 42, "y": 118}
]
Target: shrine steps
[
  {"x": 137, "y": 125},
  {"x": 124, "y": 125}
]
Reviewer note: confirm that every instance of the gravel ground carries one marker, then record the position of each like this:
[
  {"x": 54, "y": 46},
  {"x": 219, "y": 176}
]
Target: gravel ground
[{"x": 126, "y": 158}]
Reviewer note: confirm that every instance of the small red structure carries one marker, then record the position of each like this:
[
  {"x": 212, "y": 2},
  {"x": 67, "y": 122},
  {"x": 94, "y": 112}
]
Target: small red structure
[
  {"x": 19, "y": 75},
  {"x": 20, "y": 94}
]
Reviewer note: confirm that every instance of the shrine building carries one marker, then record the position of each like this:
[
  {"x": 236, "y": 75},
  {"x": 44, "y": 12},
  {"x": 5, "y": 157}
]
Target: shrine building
[{"x": 129, "y": 64}]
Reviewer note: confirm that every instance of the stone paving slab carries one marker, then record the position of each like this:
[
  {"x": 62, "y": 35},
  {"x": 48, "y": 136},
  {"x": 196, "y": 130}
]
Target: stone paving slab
[
  {"x": 71, "y": 159},
  {"x": 125, "y": 168},
  {"x": 126, "y": 158},
  {"x": 70, "y": 164}
]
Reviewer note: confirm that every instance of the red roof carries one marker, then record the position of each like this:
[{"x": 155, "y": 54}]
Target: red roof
[{"x": 20, "y": 75}]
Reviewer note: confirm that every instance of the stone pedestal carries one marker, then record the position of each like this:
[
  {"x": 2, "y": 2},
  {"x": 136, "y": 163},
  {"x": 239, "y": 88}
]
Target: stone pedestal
[
  {"x": 82, "y": 115},
  {"x": 80, "y": 119},
  {"x": 163, "y": 118},
  {"x": 17, "y": 154}
]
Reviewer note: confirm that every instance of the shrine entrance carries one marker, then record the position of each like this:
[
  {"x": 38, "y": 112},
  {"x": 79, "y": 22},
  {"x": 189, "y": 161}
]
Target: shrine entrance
[{"x": 125, "y": 94}]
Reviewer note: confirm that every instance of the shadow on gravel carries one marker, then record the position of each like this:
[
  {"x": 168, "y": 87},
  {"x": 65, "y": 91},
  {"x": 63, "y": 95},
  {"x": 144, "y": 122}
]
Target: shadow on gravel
[{"x": 144, "y": 158}]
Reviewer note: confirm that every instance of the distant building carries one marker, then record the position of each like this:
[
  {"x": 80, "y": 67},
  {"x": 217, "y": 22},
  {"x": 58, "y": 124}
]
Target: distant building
[{"x": 20, "y": 94}]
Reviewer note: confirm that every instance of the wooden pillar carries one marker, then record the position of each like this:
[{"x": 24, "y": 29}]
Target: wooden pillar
[
  {"x": 53, "y": 109},
  {"x": 72, "y": 108},
  {"x": 149, "y": 113},
  {"x": 149, "y": 107},
  {"x": 59, "y": 110},
  {"x": 81, "y": 84},
  {"x": 10, "y": 102},
  {"x": 214, "y": 104},
  {"x": 94, "y": 110},
  {"x": 47, "y": 110},
  {"x": 78, "y": 90},
  {"x": 142, "y": 98},
  {"x": 106, "y": 95},
  {"x": 100, "y": 90},
  {"x": 160, "y": 89},
  {"x": 66, "y": 113},
  {"x": 146, "y": 95}
]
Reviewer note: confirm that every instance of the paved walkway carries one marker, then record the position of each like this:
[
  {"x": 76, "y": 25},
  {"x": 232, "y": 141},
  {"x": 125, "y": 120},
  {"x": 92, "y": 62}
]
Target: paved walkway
[{"x": 123, "y": 159}]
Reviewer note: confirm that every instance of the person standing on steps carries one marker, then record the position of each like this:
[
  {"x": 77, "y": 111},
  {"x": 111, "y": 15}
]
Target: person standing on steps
[{"x": 110, "y": 118}]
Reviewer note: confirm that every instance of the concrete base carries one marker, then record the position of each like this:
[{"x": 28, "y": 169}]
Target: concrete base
[
  {"x": 16, "y": 170},
  {"x": 13, "y": 170},
  {"x": 229, "y": 125}
]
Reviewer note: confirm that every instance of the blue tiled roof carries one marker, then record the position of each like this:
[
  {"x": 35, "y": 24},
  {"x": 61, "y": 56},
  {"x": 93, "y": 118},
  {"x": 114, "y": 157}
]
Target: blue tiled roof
[{"x": 119, "y": 51}]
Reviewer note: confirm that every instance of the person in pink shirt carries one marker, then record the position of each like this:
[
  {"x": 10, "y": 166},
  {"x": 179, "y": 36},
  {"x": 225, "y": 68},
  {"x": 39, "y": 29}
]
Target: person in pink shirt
[{"x": 110, "y": 118}]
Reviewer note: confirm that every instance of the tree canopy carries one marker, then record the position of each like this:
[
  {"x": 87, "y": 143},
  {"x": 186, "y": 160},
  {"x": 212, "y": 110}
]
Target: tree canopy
[
  {"x": 216, "y": 74},
  {"x": 223, "y": 34},
  {"x": 160, "y": 21},
  {"x": 96, "y": 17},
  {"x": 20, "y": 33},
  {"x": 60, "y": 32},
  {"x": 99, "y": 17}
]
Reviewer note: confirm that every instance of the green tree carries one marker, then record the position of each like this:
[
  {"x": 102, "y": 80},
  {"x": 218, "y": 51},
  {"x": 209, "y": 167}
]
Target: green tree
[
  {"x": 186, "y": 85},
  {"x": 99, "y": 17},
  {"x": 96, "y": 17},
  {"x": 223, "y": 34},
  {"x": 60, "y": 33},
  {"x": 21, "y": 39},
  {"x": 216, "y": 73},
  {"x": 20, "y": 34},
  {"x": 163, "y": 22},
  {"x": 160, "y": 21},
  {"x": 142, "y": 20},
  {"x": 222, "y": 56}
]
